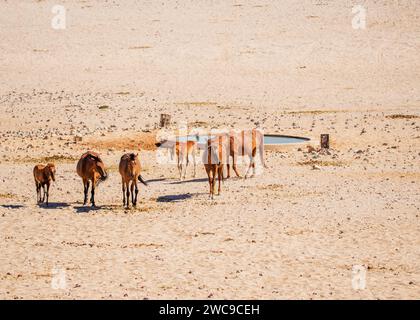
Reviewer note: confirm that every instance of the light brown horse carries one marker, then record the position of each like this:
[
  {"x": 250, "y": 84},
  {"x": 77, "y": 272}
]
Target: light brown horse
[
  {"x": 213, "y": 159},
  {"x": 183, "y": 151},
  {"x": 130, "y": 172},
  {"x": 245, "y": 142},
  {"x": 43, "y": 176},
  {"x": 91, "y": 169}
]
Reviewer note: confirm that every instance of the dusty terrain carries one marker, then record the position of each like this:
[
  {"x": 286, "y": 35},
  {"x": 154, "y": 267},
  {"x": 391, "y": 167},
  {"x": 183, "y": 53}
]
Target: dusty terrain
[{"x": 294, "y": 231}]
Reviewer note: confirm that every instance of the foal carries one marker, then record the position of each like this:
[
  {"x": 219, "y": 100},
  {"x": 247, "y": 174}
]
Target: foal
[
  {"x": 43, "y": 176},
  {"x": 183, "y": 151},
  {"x": 213, "y": 157},
  {"x": 91, "y": 168},
  {"x": 130, "y": 172}
]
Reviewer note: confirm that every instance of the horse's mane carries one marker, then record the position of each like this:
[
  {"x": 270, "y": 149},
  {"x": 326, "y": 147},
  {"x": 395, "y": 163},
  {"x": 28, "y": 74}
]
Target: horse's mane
[
  {"x": 94, "y": 157},
  {"x": 131, "y": 156}
]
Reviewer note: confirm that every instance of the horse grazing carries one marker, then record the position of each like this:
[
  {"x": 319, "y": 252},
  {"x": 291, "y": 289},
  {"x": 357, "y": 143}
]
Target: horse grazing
[
  {"x": 43, "y": 176},
  {"x": 91, "y": 169},
  {"x": 130, "y": 172},
  {"x": 246, "y": 142},
  {"x": 213, "y": 159}
]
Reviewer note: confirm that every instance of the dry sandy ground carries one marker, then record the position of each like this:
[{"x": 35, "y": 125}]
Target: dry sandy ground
[{"x": 294, "y": 68}]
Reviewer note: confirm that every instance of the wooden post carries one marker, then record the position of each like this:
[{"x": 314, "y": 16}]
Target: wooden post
[
  {"x": 165, "y": 120},
  {"x": 325, "y": 141}
]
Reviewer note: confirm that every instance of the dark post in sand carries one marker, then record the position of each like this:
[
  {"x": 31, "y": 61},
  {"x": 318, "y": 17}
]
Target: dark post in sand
[
  {"x": 325, "y": 141},
  {"x": 165, "y": 120}
]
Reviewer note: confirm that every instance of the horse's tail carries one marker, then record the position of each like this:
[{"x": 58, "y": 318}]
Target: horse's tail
[{"x": 142, "y": 180}]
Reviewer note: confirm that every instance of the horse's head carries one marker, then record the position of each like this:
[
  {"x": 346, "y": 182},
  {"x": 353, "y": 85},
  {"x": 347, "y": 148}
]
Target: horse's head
[
  {"x": 133, "y": 156},
  {"x": 158, "y": 144},
  {"x": 51, "y": 169},
  {"x": 99, "y": 167}
]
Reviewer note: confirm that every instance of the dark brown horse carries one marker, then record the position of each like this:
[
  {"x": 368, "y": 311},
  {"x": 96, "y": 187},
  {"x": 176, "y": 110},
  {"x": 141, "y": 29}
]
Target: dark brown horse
[
  {"x": 43, "y": 176},
  {"x": 130, "y": 172},
  {"x": 91, "y": 169}
]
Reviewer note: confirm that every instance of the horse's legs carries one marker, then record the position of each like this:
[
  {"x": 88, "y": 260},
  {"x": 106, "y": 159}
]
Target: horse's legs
[
  {"x": 132, "y": 191},
  {"x": 86, "y": 189},
  {"x": 123, "y": 190},
  {"x": 43, "y": 195},
  {"x": 220, "y": 177},
  {"x": 261, "y": 150},
  {"x": 180, "y": 168},
  {"x": 187, "y": 161},
  {"x": 194, "y": 162},
  {"x": 136, "y": 190},
  {"x": 213, "y": 184},
  {"x": 254, "y": 153},
  {"x": 48, "y": 192},
  {"x": 92, "y": 197},
  {"x": 209, "y": 178},
  {"x": 38, "y": 190},
  {"x": 251, "y": 164},
  {"x": 234, "y": 166},
  {"x": 128, "y": 194}
]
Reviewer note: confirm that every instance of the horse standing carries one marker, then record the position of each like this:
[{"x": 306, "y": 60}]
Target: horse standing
[
  {"x": 183, "y": 151},
  {"x": 246, "y": 142},
  {"x": 130, "y": 169},
  {"x": 213, "y": 159},
  {"x": 91, "y": 168},
  {"x": 43, "y": 176}
]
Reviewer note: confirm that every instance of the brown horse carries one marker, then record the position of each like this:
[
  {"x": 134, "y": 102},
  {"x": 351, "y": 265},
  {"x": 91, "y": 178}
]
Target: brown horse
[
  {"x": 246, "y": 142},
  {"x": 130, "y": 172},
  {"x": 91, "y": 168},
  {"x": 213, "y": 157},
  {"x": 43, "y": 176}
]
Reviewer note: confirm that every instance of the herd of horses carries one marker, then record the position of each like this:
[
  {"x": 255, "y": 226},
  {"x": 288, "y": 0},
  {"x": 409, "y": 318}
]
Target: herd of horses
[{"x": 217, "y": 152}]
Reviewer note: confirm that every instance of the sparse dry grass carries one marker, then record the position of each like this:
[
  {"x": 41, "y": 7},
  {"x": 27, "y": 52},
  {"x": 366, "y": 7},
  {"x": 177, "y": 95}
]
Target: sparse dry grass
[
  {"x": 7, "y": 196},
  {"x": 273, "y": 187},
  {"x": 322, "y": 163},
  {"x": 197, "y": 103},
  {"x": 139, "y": 47},
  {"x": 198, "y": 124},
  {"x": 314, "y": 112},
  {"x": 53, "y": 159},
  {"x": 402, "y": 116}
]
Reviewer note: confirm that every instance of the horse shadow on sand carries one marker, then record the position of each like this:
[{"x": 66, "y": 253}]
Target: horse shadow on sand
[
  {"x": 12, "y": 206},
  {"x": 189, "y": 181},
  {"x": 54, "y": 205},
  {"x": 174, "y": 197},
  {"x": 86, "y": 209}
]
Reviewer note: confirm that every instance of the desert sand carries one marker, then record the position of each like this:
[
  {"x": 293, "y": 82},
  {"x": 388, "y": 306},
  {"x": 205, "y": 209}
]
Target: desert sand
[{"x": 295, "y": 231}]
